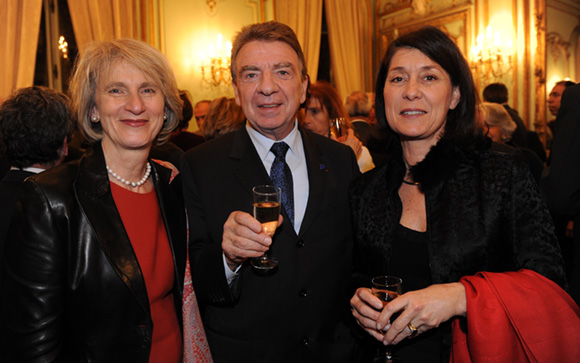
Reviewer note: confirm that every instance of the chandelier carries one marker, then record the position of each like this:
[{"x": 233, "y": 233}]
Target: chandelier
[
  {"x": 215, "y": 67},
  {"x": 491, "y": 57},
  {"x": 63, "y": 46}
]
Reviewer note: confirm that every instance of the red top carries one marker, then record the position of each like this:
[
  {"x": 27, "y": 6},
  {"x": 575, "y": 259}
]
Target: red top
[{"x": 142, "y": 220}]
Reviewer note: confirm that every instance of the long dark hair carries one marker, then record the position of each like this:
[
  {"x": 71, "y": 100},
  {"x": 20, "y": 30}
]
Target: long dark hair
[{"x": 460, "y": 125}]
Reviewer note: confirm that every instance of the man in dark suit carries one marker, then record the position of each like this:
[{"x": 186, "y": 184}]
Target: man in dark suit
[
  {"x": 35, "y": 124},
  {"x": 297, "y": 312},
  {"x": 562, "y": 183}
]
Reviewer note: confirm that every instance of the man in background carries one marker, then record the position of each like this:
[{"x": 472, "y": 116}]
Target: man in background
[
  {"x": 555, "y": 98},
  {"x": 199, "y": 112},
  {"x": 562, "y": 184},
  {"x": 35, "y": 124}
]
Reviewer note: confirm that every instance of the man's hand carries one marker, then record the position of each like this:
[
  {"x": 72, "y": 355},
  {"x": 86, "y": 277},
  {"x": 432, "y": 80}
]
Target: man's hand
[{"x": 243, "y": 238}]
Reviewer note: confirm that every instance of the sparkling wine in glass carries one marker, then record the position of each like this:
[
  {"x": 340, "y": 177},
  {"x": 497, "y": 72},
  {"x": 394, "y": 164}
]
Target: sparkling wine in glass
[
  {"x": 337, "y": 126},
  {"x": 386, "y": 288},
  {"x": 266, "y": 208}
]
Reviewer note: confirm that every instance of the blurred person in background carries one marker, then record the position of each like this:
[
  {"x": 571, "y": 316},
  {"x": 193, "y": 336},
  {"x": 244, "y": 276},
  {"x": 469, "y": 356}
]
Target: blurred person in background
[
  {"x": 358, "y": 105},
  {"x": 35, "y": 126},
  {"x": 184, "y": 139},
  {"x": 522, "y": 137},
  {"x": 500, "y": 128},
  {"x": 555, "y": 99},
  {"x": 561, "y": 184},
  {"x": 223, "y": 116},
  {"x": 323, "y": 105},
  {"x": 199, "y": 112}
]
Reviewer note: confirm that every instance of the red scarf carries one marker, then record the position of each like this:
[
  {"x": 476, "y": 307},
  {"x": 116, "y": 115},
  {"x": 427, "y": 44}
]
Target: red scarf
[{"x": 516, "y": 317}]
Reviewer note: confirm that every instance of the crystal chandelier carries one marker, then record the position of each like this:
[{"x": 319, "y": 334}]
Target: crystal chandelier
[
  {"x": 215, "y": 67},
  {"x": 491, "y": 57}
]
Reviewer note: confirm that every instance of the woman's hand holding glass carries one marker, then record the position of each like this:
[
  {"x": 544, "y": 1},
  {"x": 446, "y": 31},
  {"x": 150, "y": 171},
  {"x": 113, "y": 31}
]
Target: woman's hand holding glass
[
  {"x": 349, "y": 139},
  {"x": 424, "y": 309}
]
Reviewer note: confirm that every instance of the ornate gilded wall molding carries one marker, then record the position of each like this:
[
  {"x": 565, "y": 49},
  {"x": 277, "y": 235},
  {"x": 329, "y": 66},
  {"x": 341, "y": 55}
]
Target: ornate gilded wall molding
[
  {"x": 540, "y": 60},
  {"x": 556, "y": 45}
]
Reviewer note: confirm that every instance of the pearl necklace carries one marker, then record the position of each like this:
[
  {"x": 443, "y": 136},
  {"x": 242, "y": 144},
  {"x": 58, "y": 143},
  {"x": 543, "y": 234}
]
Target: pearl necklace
[{"x": 128, "y": 183}]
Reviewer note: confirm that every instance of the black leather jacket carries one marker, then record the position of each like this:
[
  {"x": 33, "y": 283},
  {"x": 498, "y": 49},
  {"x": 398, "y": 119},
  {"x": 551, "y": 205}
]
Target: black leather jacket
[{"x": 73, "y": 289}]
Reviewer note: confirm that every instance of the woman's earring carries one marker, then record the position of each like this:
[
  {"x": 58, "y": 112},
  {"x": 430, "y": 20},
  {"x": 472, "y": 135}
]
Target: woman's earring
[
  {"x": 95, "y": 119},
  {"x": 165, "y": 117}
]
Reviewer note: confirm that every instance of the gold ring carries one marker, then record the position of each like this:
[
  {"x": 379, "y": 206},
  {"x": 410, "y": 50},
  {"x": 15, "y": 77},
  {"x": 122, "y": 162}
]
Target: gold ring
[{"x": 413, "y": 329}]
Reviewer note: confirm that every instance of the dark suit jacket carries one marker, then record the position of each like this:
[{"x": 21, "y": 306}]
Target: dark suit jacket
[
  {"x": 9, "y": 192},
  {"x": 77, "y": 293},
  {"x": 296, "y": 314},
  {"x": 562, "y": 183},
  {"x": 519, "y": 136},
  {"x": 362, "y": 129}
]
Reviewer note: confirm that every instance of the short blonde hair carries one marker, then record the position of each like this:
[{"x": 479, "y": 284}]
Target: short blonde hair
[{"x": 100, "y": 57}]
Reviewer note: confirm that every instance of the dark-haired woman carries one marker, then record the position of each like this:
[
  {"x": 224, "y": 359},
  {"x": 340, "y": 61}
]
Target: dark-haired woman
[{"x": 466, "y": 229}]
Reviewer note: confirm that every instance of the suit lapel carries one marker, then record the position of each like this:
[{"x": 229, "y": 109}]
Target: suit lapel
[
  {"x": 317, "y": 178},
  {"x": 250, "y": 170},
  {"x": 94, "y": 196}
]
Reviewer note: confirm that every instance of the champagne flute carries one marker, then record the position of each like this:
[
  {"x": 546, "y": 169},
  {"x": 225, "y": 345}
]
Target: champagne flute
[
  {"x": 337, "y": 126},
  {"x": 266, "y": 208},
  {"x": 386, "y": 288}
]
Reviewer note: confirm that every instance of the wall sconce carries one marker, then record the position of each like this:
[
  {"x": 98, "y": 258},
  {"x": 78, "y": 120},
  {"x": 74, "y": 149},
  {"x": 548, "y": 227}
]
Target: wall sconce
[
  {"x": 215, "y": 68},
  {"x": 491, "y": 57},
  {"x": 63, "y": 46}
]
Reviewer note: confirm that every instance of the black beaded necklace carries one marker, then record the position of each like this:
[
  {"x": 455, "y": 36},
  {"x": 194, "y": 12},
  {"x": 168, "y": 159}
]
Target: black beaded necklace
[
  {"x": 411, "y": 182},
  {"x": 407, "y": 181}
]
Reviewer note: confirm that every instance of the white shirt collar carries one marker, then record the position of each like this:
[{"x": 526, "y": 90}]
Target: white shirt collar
[
  {"x": 29, "y": 169},
  {"x": 263, "y": 143}
]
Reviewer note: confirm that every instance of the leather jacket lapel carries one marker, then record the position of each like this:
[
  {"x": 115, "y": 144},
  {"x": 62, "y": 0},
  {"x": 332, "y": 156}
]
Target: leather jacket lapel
[
  {"x": 94, "y": 196},
  {"x": 172, "y": 212}
]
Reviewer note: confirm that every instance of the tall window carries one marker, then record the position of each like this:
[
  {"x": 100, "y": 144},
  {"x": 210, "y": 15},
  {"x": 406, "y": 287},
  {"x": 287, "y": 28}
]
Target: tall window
[
  {"x": 57, "y": 49},
  {"x": 324, "y": 64}
]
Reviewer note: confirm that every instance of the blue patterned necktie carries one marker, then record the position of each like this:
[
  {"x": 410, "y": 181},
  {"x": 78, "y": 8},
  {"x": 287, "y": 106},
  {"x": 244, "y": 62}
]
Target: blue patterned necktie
[{"x": 282, "y": 177}]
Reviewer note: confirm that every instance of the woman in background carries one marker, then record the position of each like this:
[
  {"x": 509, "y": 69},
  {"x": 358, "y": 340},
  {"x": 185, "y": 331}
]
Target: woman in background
[
  {"x": 322, "y": 106},
  {"x": 500, "y": 128},
  {"x": 96, "y": 256},
  {"x": 223, "y": 116}
]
